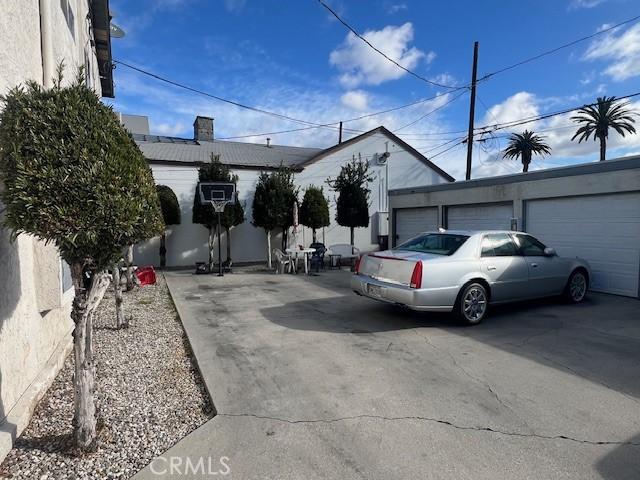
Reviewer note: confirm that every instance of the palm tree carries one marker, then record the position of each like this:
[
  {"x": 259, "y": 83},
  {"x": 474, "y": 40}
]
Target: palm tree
[
  {"x": 524, "y": 145},
  {"x": 596, "y": 120}
]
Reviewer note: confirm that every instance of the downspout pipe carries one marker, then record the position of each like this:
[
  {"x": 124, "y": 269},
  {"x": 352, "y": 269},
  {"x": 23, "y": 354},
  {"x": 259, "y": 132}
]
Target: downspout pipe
[{"x": 46, "y": 50}]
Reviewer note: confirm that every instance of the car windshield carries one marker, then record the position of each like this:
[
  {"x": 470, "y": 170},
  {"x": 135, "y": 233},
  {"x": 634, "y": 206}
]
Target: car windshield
[{"x": 436, "y": 243}]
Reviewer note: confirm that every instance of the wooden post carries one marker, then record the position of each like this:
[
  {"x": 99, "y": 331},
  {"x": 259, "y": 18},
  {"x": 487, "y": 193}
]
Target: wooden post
[{"x": 340, "y": 134}]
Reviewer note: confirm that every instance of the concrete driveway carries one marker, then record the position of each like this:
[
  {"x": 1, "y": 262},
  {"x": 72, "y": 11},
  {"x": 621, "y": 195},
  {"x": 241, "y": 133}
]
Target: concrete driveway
[{"x": 313, "y": 382}]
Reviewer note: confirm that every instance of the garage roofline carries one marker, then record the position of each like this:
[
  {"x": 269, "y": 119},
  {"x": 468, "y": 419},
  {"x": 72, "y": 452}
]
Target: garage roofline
[{"x": 617, "y": 164}]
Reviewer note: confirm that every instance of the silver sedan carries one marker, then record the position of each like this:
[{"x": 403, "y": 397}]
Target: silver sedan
[{"x": 465, "y": 271}]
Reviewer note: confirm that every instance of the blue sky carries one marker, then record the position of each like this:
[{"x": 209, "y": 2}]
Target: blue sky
[{"x": 292, "y": 57}]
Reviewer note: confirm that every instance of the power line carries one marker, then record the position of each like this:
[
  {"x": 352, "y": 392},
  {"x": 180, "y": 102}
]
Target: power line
[
  {"x": 537, "y": 118},
  {"x": 561, "y": 47},
  {"x": 419, "y": 119},
  {"x": 308, "y": 124},
  {"x": 216, "y": 97},
  {"x": 411, "y": 72}
]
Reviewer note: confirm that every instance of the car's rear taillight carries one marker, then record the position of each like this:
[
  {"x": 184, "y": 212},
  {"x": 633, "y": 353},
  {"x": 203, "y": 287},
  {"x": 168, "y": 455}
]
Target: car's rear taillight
[
  {"x": 416, "y": 276},
  {"x": 357, "y": 267}
]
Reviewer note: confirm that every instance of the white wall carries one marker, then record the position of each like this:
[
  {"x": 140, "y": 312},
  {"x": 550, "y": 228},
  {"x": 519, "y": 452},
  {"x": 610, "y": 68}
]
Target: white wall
[
  {"x": 35, "y": 325},
  {"x": 187, "y": 242},
  {"x": 405, "y": 170}
]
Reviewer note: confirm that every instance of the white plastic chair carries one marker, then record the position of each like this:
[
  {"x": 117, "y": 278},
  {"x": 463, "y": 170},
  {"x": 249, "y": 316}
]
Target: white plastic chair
[{"x": 283, "y": 261}]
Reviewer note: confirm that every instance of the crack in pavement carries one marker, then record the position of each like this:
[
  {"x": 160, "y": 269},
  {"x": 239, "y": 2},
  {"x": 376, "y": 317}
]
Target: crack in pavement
[
  {"x": 432, "y": 420},
  {"x": 472, "y": 377}
]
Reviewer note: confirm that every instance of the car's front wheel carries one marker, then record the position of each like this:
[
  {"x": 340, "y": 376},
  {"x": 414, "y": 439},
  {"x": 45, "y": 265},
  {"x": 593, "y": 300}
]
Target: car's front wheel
[
  {"x": 473, "y": 303},
  {"x": 577, "y": 287}
]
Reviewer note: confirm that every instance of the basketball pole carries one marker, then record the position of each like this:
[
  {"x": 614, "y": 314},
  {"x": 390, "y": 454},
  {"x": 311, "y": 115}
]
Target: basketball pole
[{"x": 220, "y": 269}]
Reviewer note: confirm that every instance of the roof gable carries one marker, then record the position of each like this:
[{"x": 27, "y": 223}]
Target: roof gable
[{"x": 391, "y": 136}]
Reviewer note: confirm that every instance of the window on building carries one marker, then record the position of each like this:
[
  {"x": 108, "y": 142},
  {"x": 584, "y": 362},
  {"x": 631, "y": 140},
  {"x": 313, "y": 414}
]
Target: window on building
[
  {"x": 87, "y": 70},
  {"x": 69, "y": 16}
]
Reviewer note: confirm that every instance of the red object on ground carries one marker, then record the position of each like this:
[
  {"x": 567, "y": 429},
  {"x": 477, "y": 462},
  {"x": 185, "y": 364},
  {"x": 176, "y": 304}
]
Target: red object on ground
[{"x": 146, "y": 275}]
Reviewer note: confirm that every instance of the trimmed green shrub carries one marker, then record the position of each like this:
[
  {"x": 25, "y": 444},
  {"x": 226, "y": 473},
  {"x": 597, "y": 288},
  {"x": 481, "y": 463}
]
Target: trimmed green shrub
[
  {"x": 73, "y": 176},
  {"x": 170, "y": 214},
  {"x": 314, "y": 211}
]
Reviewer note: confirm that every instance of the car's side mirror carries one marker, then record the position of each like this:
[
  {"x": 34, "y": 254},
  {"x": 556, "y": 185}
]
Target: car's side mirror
[{"x": 549, "y": 252}]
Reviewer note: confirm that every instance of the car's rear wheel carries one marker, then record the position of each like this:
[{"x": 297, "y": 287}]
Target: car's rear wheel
[
  {"x": 577, "y": 287},
  {"x": 473, "y": 303}
]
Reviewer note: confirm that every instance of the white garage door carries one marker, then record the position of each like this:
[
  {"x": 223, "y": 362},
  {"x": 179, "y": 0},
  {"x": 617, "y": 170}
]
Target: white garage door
[
  {"x": 603, "y": 229},
  {"x": 412, "y": 221},
  {"x": 490, "y": 216}
]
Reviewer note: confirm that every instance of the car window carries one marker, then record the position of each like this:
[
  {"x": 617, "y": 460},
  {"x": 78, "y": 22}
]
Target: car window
[
  {"x": 529, "y": 246},
  {"x": 436, "y": 243},
  {"x": 498, "y": 245}
]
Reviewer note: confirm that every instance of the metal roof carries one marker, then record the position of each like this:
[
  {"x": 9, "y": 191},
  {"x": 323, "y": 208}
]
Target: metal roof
[{"x": 158, "y": 148}]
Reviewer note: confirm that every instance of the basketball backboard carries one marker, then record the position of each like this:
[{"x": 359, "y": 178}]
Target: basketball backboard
[{"x": 217, "y": 192}]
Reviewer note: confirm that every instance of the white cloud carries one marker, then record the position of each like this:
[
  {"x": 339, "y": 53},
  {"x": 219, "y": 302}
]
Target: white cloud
[
  {"x": 576, "y": 4},
  {"x": 621, "y": 49},
  {"x": 360, "y": 64},
  {"x": 518, "y": 106},
  {"x": 396, "y": 7},
  {"x": 168, "y": 129},
  {"x": 171, "y": 111},
  {"x": 356, "y": 99}
]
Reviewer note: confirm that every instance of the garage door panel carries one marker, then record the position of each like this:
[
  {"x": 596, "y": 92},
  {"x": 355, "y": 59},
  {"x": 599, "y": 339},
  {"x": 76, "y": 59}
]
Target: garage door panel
[
  {"x": 496, "y": 216},
  {"x": 413, "y": 221},
  {"x": 603, "y": 229}
]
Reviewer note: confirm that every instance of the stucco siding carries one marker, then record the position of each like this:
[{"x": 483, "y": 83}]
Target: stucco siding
[
  {"x": 404, "y": 170},
  {"x": 187, "y": 243},
  {"x": 35, "y": 323},
  {"x": 20, "y": 52}
]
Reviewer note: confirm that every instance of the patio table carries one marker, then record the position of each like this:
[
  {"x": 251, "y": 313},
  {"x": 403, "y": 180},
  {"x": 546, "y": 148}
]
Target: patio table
[{"x": 297, "y": 253}]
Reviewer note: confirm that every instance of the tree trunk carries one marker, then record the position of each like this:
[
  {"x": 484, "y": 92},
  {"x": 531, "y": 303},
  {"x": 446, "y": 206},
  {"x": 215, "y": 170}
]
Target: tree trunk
[
  {"x": 129, "y": 260},
  {"x": 352, "y": 239},
  {"x": 603, "y": 149},
  {"x": 228, "y": 246},
  {"x": 211, "y": 246},
  {"x": 313, "y": 234},
  {"x": 525, "y": 167},
  {"x": 285, "y": 234},
  {"x": 121, "y": 321},
  {"x": 163, "y": 250},
  {"x": 84, "y": 304},
  {"x": 268, "y": 249}
]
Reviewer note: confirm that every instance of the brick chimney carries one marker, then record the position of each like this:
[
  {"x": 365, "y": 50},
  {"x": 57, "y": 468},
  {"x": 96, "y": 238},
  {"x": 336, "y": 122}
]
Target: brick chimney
[{"x": 203, "y": 129}]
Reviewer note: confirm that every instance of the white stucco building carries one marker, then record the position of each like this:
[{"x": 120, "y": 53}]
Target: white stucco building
[
  {"x": 175, "y": 162},
  {"x": 35, "y": 287}
]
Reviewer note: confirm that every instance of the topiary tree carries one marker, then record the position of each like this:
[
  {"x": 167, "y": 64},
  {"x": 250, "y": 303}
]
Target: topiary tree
[
  {"x": 74, "y": 177},
  {"x": 232, "y": 216},
  {"x": 353, "y": 195},
  {"x": 314, "y": 211},
  {"x": 204, "y": 214},
  {"x": 170, "y": 214},
  {"x": 273, "y": 204}
]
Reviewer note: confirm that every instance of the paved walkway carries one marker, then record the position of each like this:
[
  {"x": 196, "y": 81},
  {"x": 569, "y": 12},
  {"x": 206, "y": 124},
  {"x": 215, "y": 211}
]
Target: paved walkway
[{"x": 313, "y": 382}]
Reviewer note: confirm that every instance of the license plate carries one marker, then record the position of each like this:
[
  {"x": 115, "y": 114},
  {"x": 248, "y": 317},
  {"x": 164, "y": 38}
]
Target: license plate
[{"x": 374, "y": 290}]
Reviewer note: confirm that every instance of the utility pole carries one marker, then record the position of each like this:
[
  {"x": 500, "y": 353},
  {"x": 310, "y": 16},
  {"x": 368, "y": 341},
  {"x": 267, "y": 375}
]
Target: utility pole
[
  {"x": 472, "y": 109},
  {"x": 340, "y": 134}
]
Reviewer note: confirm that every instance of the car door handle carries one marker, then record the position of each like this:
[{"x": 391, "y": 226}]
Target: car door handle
[
  {"x": 491, "y": 267},
  {"x": 534, "y": 265}
]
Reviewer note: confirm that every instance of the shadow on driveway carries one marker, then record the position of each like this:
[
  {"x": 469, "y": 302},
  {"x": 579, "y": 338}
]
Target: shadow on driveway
[{"x": 598, "y": 340}]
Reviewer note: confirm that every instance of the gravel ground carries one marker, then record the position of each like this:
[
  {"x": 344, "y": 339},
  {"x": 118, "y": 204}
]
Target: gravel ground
[{"x": 149, "y": 396}]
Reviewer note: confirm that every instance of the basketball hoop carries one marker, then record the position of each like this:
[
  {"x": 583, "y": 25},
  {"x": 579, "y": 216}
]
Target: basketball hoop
[
  {"x": 218, "y": 205},
  {"x": 218, "y": 195}
]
